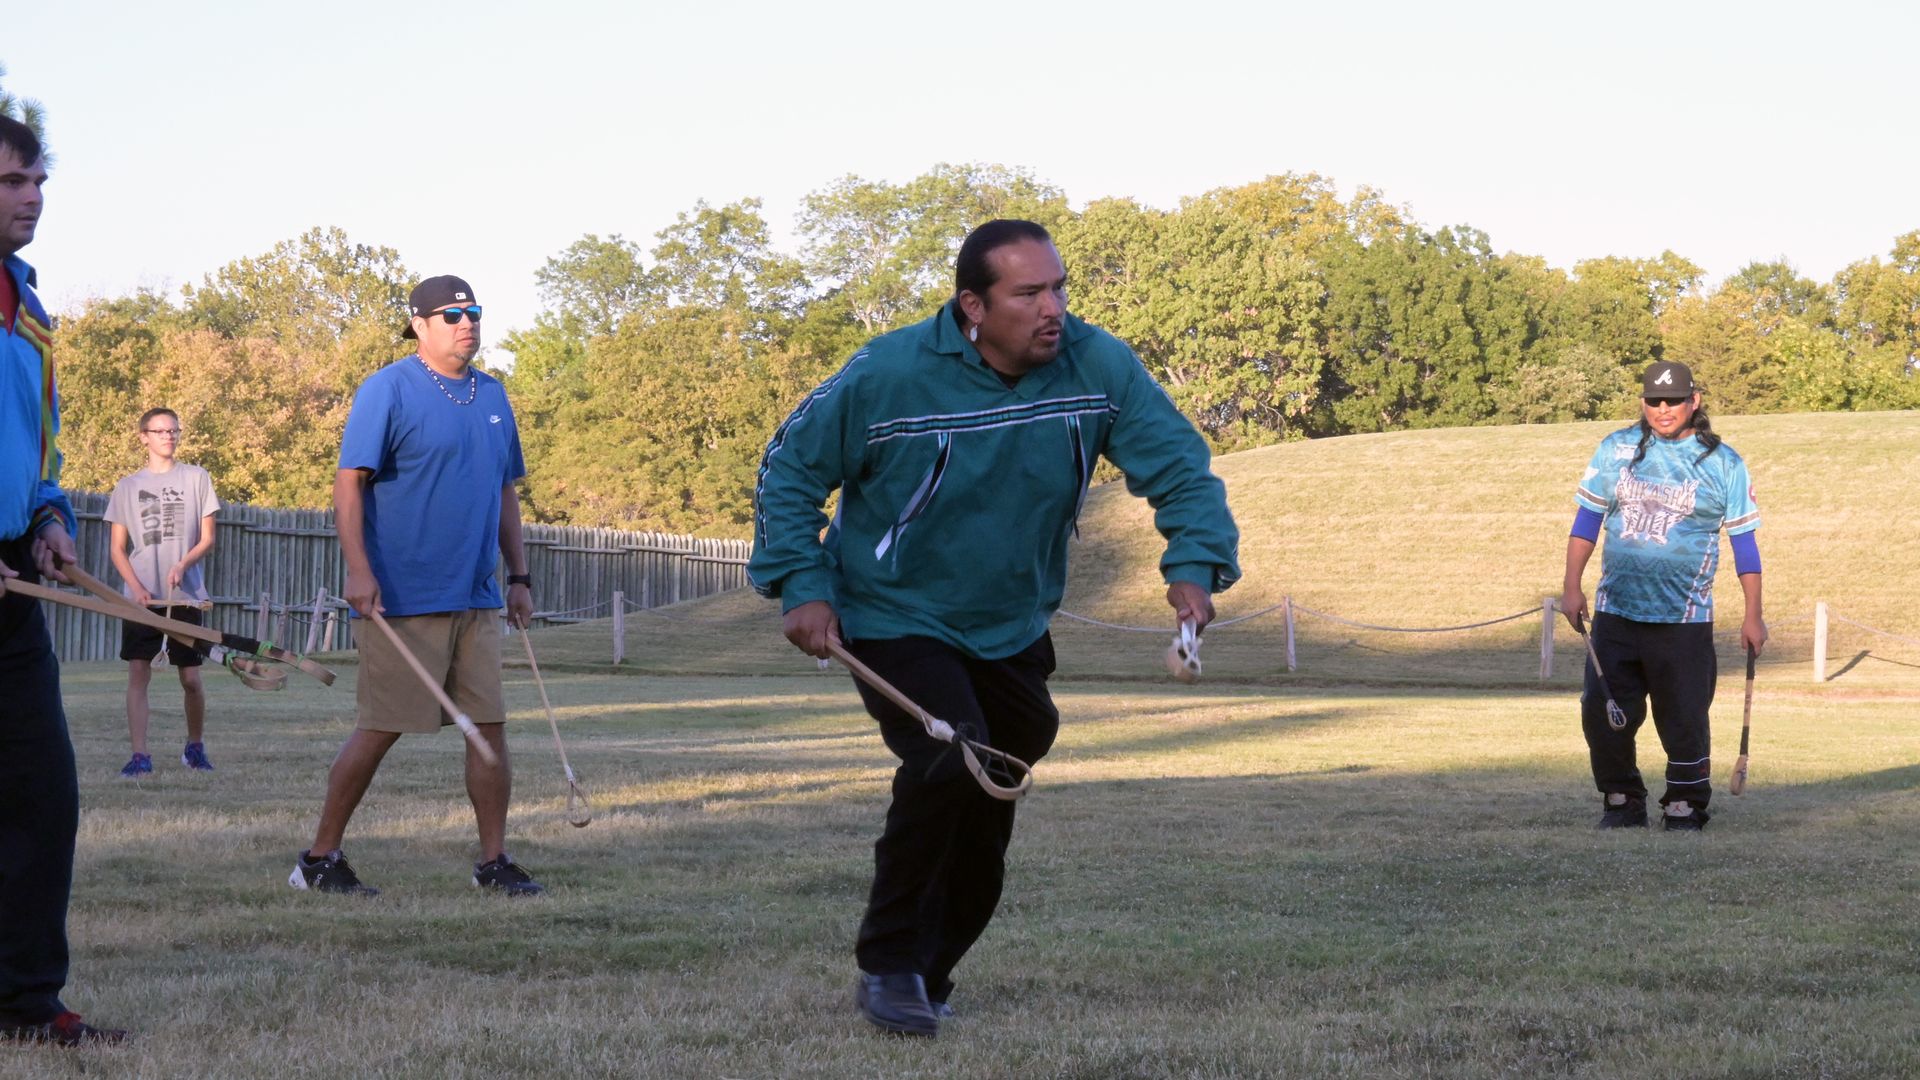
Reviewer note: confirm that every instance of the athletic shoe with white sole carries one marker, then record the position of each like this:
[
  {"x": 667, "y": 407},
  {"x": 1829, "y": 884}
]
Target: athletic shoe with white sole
[
  {"x": 1683, "y": 817},
  {"x": 328, "y": 873},
  {"x": 195, "y": 757},
  {"x": 503, "y": 875}
]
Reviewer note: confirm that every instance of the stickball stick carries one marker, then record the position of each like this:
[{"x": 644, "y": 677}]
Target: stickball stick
[
  {"x": 160, "y": 658},
  {"x": 998, "y": 761},
  {"x": 460, "y": 719},
  {"x": 579, "y": 810},
  {"x": 247, "y": 671},
  {"x": 1616, "y": 716},
  {"x": 172, "y": 627},
  {"x": 1739, "y": 782}
]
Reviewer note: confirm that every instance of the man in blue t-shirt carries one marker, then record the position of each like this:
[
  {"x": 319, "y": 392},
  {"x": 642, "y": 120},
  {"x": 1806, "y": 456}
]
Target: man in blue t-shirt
[
  {"x": 1663, "y": 490},
  {"x": 424, "y": 504}
]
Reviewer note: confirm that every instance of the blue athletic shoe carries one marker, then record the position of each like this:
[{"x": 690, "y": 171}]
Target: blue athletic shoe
[
  {"x": 140, "y": 765},
  {"x": 195, "y": 757}
]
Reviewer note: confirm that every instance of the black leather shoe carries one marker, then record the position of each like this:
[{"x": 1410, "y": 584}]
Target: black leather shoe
[{"x": 896, "y": 1003}]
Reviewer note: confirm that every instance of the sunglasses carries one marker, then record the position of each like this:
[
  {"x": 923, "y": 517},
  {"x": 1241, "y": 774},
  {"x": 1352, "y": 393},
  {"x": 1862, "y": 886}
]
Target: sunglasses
[
  {"x": 452, "y": 315},
  {"x": 1671, "y": 402}
]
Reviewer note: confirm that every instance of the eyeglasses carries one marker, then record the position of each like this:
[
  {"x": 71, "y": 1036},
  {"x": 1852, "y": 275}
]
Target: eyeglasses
[
  {"x": 452, "y": 315},
  {"x": 1670, "y": 402},
  {"x": 170, "y": 432}
]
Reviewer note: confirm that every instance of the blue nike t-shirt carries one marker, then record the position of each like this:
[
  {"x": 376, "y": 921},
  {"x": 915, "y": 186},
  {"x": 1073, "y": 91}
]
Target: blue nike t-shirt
[
  {"x": 440, "y": 456},
  {"x": 1663, "y": 520}
]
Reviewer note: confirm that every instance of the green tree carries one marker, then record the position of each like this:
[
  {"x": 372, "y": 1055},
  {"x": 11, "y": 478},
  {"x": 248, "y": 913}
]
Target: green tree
[
  {"x": 1418, "y": 325},
  {"x": 885, "y": 252},
  {"x": 593, "y": 284},
  {"x": 1218, "y": 311}
]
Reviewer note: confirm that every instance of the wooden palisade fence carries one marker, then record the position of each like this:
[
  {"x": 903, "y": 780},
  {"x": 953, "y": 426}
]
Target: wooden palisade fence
[{"x": 269, "y": 567}]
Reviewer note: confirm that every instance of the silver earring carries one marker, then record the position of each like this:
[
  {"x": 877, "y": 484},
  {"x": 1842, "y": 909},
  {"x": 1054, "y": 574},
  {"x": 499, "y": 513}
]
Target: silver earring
[{"x": 973, "y": 332}]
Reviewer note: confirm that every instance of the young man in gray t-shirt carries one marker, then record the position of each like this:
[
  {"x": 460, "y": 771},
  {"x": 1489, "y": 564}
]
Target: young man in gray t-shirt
[{"x": 162, "y": 522}]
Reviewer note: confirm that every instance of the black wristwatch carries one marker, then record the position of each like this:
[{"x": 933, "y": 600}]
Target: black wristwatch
[{"x": 519, "y": 579}]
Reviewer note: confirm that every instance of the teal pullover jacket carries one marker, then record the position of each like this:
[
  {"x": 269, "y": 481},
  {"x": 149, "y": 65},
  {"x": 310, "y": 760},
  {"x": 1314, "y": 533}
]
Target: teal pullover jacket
[{"x": 959, "y": 493}]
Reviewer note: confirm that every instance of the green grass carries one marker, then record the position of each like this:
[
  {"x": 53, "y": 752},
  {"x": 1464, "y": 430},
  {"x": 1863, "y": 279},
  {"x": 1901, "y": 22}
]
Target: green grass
[
  {"x": 1427, "y": 529},
  {"x": 1208, "y": 882}
]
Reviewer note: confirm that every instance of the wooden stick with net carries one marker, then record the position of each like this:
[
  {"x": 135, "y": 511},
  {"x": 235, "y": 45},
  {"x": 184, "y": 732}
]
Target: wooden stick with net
[
  {"x": 579, "y": 809},
  {"x": 998, "y": 773}
]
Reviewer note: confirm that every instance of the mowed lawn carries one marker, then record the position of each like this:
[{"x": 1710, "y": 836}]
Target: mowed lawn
[{"x": 1224, "y": 880}]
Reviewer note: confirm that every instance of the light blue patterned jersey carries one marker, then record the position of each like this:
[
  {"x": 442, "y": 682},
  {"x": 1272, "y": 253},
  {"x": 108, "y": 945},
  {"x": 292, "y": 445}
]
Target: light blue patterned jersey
[{"x": 1663, "y": 521}]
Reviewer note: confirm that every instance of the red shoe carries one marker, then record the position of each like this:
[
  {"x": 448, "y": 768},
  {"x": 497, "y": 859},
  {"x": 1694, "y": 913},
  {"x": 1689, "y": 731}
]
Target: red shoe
[{"x": 67, "y": 1029}]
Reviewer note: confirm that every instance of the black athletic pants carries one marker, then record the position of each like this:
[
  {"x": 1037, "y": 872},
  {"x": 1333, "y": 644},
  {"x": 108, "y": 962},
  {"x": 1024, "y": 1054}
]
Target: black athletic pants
[
  {"x": 1673, "y": 665},
  {"x": 939, "y": 865},
  {"x": 39, "y": 809}
]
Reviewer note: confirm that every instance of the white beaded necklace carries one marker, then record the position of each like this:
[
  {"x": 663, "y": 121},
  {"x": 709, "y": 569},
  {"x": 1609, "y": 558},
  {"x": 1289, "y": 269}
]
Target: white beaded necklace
[{"x": 473, "y": 382}]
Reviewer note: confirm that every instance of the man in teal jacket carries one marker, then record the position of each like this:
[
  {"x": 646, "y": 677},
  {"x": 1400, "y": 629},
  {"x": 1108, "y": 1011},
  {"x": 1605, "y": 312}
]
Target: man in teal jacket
[{"x": 962, "y": 447}]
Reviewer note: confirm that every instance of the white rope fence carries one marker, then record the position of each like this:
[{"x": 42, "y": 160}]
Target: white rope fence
[
  {"x": 1547, "y": 608},
  {"x": 322, "y": 619}
]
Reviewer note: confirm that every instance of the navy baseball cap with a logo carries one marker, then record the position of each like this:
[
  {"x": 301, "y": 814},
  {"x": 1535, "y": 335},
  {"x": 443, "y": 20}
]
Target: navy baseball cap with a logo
[
  {"x": 1667, "y": 379},
  {"x": 436, "y": 292}
]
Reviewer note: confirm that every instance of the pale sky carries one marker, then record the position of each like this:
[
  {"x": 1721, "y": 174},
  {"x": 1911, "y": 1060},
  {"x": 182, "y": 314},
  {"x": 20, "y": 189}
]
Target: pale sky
[{"x": 482, "y": 138}]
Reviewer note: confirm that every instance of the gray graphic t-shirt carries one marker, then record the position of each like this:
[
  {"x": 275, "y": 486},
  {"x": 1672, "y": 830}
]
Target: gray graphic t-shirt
[{"x": 162, "y": 513}]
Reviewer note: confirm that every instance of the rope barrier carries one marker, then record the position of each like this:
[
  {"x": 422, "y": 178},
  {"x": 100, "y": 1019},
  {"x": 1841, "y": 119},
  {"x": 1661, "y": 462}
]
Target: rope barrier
[
  {"x": 1308, "y": 611},
  {"x": 575, "y": 611},
  {"x": 1417, "y": 629},
  {"x": 1837, "y": 617}
]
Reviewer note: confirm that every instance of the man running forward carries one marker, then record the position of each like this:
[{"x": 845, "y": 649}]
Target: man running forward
[{"x": 962, "y": 449}]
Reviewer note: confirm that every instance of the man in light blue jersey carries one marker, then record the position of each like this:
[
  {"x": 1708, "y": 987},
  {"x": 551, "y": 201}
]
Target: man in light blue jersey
[{"x": 1662, "y": 490}]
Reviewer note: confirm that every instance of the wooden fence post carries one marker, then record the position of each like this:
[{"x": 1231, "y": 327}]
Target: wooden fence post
[
  {"x": 265, "y": 624},
  {"x": 1547, "y": 607},
  {"x": 619, "y": 627},
  {"x": 313, "y": 627},
  {"x": 1820, "y": 641},
  {"x": 326, "y": 640},
  {"x": 1286, "y": 603}
]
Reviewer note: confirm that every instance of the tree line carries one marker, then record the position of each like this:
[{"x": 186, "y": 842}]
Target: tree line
[{"x": 1275, "y": 310}]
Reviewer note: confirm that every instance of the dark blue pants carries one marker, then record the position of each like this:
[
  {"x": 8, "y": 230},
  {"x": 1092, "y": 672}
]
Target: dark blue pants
[
  {"x": 39, "y": 810},
  {"x": 1671, "y": 665},
  {"x": 939, "y": 865}
]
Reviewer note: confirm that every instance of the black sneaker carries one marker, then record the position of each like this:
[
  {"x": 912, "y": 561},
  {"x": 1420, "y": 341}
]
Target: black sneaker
[
  {"x": 329, "y": 873},
  {"x": 506, "y": 876},
  {"x": 1693, "y": 820},
  {"x": 1631, "y": 814},
  {"x": 67, "y": 1029}
]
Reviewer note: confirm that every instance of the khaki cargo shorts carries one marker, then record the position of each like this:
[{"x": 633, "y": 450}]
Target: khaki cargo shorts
[{"x": 459, "y": 648}]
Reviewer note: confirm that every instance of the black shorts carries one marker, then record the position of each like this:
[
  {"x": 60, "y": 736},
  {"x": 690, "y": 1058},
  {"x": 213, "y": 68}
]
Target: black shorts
[{"x": 139, "y": 642}]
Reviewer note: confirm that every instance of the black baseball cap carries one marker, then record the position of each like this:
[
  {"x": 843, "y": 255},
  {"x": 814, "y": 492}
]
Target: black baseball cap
[
  {"x": 1667, "y": 379},
  {"x": 436, "y": 292}
]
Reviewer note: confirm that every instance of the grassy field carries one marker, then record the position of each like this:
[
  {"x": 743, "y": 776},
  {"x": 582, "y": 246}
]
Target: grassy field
[
  {"x": 1430, "y": 529},
  {"x": 1208, "y": 882},
  {"x": 1380, "y": 865}
]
